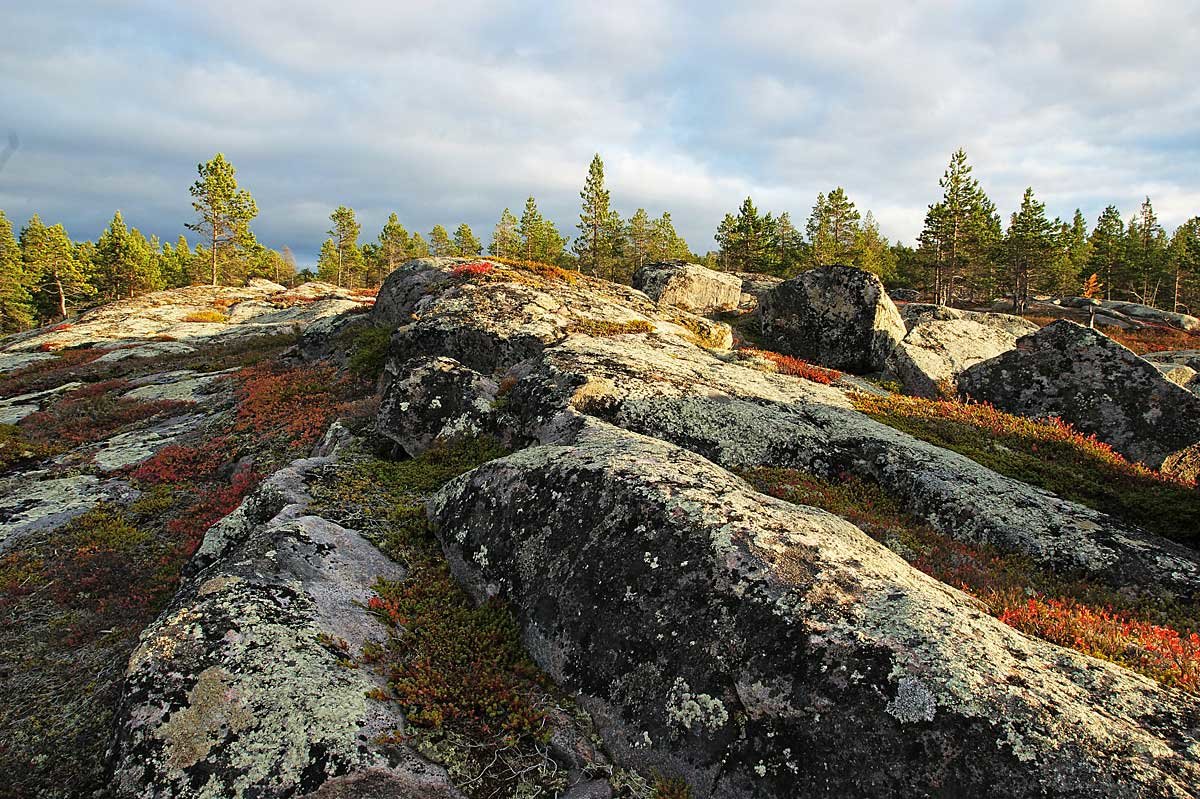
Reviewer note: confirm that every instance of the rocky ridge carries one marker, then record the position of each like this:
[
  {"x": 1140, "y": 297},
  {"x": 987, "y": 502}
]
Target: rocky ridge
[{"x": 707, "y": 633}]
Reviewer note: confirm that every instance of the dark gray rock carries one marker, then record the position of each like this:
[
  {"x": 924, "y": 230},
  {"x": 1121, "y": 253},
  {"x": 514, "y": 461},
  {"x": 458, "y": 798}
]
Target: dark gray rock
[
  {"x": 762, "y": 649},
  {"x": 1094, "y": 383},
  {"x": 835, "y": 316},
  {"x": 437, "y": 399}
]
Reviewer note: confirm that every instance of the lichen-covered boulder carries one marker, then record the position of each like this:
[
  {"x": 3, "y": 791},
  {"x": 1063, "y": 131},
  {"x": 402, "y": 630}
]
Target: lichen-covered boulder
[
  {"x": 754, "y": 286},
  {"x": 1148, "y": 313},
  {"x": 1085, "y": 378},
  {"x": 437, "y": 399},
  {"x": 743, "y": 418},
  {"x": 689, "y": 286},
  {"x": 915, "y": 314},
  {"x": 762, "y": 649},
  {"x": 935, "y": 352},
  {"x": 837, "y": 316},
  {"x": 241, "y": 687}
]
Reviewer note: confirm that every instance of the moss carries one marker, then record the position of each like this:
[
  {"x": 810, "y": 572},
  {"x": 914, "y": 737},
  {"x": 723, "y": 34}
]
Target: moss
[
  {"x": 368, "y": 352},
  {"x": 602, "y": 328},
  {"x": 671, "y": 788},
  {"x": 1049, "y": 455},
  {"x": 701, "y": 332},
  {"x": 19, "y": 449},
  {"x": 207, "y": 317}
]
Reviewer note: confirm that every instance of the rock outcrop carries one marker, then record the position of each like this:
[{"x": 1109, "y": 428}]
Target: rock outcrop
[
  {"x": 1099, "y": 386},
  {"x": 691, "y": 287},
  {"x": 836, "y": 316},
  {"x": 239, "y": 689},
  {"x": 764, "y": 649},
  {"x": 936, "y": 351}
]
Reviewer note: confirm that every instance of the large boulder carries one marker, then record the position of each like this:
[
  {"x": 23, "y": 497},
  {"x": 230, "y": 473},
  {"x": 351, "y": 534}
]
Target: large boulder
[
  {"x": 240, "y": 688},
  {"x": 837, "y": 316},
  {"x": 763, "y": 649},
  {"x": 935, "y": 352},
  {"x": 915, "y": 314},
  {"x": 689, "y": 286},
  {"x": 1149, "y": 313},
  {"x": 1100, "y": 387},
  {"x": 754, "y": 286}
]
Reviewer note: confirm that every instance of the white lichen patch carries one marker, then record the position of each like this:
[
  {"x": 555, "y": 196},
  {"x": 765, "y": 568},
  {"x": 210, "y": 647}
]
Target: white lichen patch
[
  {"x": 688, "y": 709},
  {"x": 913, "y": 702}
]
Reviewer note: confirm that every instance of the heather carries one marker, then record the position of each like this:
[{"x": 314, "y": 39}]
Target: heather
[{"x": 1051, "y": 455}]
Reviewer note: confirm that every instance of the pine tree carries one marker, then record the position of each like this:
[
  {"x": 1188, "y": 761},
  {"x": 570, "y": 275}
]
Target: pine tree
[
  {"x": 417, "y": 247},
  {"x": 1184, "y": 260},
  {"x": 174, "y": 263},
  {"x": 344, "y": 233},
  {"x": 16, "y": 304},
  {"x": 600, "y": 227},
  {"x": 328, "y": 262},
  {"x": 225, "y": 211},
  {"x": 1107, "y": 247},
  {"x": 1146, "y": 254},
  {"x": 125, "y": 263},
  {"x": 790, "y": 250},
  {"x": 665, "y": 243},
  {"x": 466, "y": 244},
  {"x": 50, "y": 260},
  {"x": 394, "y": 244},
  {"x": 833, "y": 229},
  {"x": 439, "y": 242},
  {"x": 961, "y": 236},
  {"x": 872, "y": 251},
  {"x": 638, "y": 237},
  {"x": 506, "y": 241},
  {"x": 1029, "y": 246},
  {"x": 540, "y": 239},
  {"x": 745, "y": 240}
]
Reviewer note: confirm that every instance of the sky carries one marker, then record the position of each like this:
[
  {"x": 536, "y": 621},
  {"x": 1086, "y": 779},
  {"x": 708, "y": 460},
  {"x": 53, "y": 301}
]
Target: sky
[{"x": 446, "y": 112}]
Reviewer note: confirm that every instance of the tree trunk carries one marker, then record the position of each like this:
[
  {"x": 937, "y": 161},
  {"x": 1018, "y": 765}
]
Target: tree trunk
[
  {"x": 62, "y": 296},
  {"x": 214, "y": 255}
]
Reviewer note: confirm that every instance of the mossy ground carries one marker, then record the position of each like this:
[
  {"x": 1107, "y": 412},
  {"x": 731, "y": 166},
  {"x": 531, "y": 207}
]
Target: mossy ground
[
  {"x": 1154, "y": 637},
  {"x": 1050, "y": 455}
]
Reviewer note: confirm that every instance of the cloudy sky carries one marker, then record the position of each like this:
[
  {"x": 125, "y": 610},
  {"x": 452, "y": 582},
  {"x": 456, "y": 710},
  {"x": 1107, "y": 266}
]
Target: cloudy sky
[{"x": 450, "y": 111}]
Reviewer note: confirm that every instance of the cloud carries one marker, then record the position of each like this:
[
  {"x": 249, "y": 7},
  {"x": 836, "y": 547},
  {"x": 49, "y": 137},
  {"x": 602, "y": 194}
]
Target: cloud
[{"x": 449, "y": 112}]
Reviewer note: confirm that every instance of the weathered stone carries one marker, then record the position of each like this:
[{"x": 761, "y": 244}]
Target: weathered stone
[
  {"x": 916, "y": 314},
  {"x": 764, "y": 649},
  {"x": 935, "y": 352},
  {"x": 904, "y": 295},
  {"x": 754, "y": 286},
  {"x": 1099, "y": 386},
  {"x": 239, "y": 689},
  {"x": 438, "y": 399},
  {"x": 1184, "y": 464},
  {"x": 742, "y": 418},
  {"x": 689, "y": 286},
  {"x": 1150, "y": 314},
  {"x": 837, "y": 316}
]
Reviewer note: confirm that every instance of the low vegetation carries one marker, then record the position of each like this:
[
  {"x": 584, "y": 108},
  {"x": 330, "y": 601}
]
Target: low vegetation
[
  {"x": 207, "y": 317},
  {"x": 1051, "y": 455},
  {"x": 604, "y": 327},
  {"x": 1155, "y": 638},
  {"x": 93, "y": 413},
  {"x": 474, "y": 699},
  {"x": 1143, "y": 340},
  {"x": 787, "y": 365}
]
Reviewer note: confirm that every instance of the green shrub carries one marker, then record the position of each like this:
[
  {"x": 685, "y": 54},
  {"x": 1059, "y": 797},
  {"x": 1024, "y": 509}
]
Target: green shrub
[{"x": 368, "y": 352}]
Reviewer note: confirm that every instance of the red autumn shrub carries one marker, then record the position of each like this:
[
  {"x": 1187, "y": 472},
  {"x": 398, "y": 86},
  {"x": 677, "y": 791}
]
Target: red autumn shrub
[
  {"x": 177, "y": 463},
  {"x": 212, "y": 505},
  {"x": 787, "y": 365},
  {"x": 1166, "y": 654},
  {"x": 473, "y": 268},
  {"x": 93, "y": 413},
  {"x": 289, "y": 406}
]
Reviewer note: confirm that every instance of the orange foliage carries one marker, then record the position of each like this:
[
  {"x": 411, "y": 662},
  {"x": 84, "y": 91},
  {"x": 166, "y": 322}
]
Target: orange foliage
[
  {"x": 291, "y": 406},
  {"x": 796, "y": 367}
]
